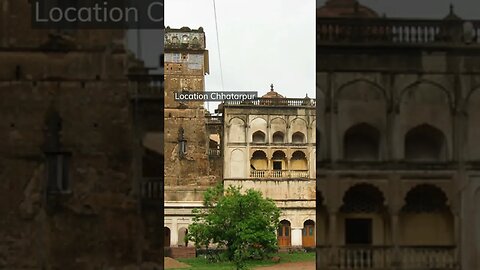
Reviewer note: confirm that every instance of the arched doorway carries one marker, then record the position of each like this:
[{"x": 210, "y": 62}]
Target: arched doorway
[
  {"x": 166, "y": 237},
  {"x": 284, "y": 234},
  {"x": 308, "y": 234}
]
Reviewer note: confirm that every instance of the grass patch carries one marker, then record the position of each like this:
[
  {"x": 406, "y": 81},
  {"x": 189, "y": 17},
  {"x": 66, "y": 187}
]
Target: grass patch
[{"x": 200, "y": 263}]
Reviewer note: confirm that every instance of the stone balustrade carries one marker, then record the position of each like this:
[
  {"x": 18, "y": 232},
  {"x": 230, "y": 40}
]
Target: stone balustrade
[
  {"x": 151, "y": 188},
  {"x": 291, "y": 102},
  {"x": 397, "y": 31},
  {"x": 383, "y": 257},
  {"x": 279, "y": 173}
]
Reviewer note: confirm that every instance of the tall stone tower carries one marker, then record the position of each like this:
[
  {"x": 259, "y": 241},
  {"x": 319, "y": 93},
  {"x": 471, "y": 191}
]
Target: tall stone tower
[{"x": 186, "y": 139}]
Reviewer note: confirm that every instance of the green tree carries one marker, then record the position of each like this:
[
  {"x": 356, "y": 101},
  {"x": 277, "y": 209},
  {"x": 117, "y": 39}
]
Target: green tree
[{"x": 242, "y": 223}]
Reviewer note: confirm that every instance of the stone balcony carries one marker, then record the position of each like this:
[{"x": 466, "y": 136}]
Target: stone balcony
[
  {"x": 146, "y": 86},
  {"x": 274, "y": 102},
  {"x": 387, "y": 257},
  {"x": 397, "y": 32},
  {"x": 279, "y": 174},
  {"x": 151, "y": 189}
]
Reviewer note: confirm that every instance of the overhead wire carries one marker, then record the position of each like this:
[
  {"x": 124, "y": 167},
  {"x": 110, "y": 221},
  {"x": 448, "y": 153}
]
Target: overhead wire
[{"x": 218, "y": 44}]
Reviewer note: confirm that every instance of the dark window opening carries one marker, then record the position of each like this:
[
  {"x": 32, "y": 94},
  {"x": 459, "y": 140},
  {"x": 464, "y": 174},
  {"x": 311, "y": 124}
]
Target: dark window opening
[
  {"x": 182, "y": 143},
  {"x": 57, "y": 172},
  {"x": 358, "y": 231},
  {"x": 425, "y": 143},
  {"x": 361, "y": 143},
  {"x": 277, "y": 165}
]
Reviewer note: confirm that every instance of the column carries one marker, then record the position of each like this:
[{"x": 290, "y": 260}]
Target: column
[
  {"x": 396, "y": 260},
  {"x": 457, "y": 238},
  {"x": 332, "y": 232},
  {"x": 296, "y": 237},
  {"x": 174, "y": 233}
]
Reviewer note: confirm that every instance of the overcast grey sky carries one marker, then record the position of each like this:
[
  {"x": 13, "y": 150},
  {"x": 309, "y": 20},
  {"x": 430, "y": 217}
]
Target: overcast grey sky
[
  {"x": 261, "y": 42},
  {"x": 271, "y": 41}
]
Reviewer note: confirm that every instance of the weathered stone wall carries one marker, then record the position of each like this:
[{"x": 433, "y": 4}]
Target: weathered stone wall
[
  {"x": 394, "y": 90},
  {"x": 193, "y": 168},
  {"x": 187, "y": 175},
  {"x": 81, "y": 77}
]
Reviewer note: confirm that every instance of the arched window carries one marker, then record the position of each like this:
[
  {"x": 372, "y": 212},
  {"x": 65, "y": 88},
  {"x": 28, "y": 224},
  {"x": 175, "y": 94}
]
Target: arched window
[
  {"x": 361, "y": 142},
  {"x": 298, "y": 161},
  {"x": 298, "y": 137},
  {"x": 425, "y": 143},
  {"x": 426, "y": 218},
  {"x": 258, "y": 137},
  {"x": 278, "y": 137},
  {"x": 259, "y": 161}
]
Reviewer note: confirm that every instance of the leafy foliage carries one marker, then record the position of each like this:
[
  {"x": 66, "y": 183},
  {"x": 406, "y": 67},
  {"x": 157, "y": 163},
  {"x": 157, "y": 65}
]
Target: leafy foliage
[{"x": 244, "y": 224}]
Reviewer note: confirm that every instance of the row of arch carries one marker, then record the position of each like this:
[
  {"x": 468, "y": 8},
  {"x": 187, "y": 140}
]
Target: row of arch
[
  {"x": 275, "y": 131},
  {"x": 421, "y": 143},
  {"x": 274, "y": 122},
  {"x": 424, "y": 219},
  {"x": 278, "y": 137},
  {"x": 365, "y": 197},
  {"x": 182, "y": 240},
  {"x": 424, "y": 90},
  {"x": 279, "y": 161}
]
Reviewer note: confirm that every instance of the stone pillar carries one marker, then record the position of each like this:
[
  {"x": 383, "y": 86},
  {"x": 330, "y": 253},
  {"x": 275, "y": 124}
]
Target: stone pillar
[
  {"x": 457, "y": 235},
  {"x": 396, "y": 261},
  {"x": 332, "y": 233},
  {"x": 296, "y": 237},
  {"x": 288, "y": 159},
  {"x": 174, "y": 233}
]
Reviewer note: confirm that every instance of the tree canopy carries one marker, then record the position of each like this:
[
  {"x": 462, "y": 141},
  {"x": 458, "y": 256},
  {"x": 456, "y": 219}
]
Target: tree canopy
[{"x": 241, "y": 223}]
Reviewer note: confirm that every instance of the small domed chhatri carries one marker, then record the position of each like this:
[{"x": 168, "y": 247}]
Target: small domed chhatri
[
  {"x": 345, "y": 8},
  {"x": 272, "y": 93}
]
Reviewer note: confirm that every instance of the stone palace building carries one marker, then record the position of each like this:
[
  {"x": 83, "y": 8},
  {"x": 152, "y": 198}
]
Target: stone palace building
[
  {"x": 267, "y": 144},
  {"x": 398, "y": 110},
  {"x": 81, "y": 149}
]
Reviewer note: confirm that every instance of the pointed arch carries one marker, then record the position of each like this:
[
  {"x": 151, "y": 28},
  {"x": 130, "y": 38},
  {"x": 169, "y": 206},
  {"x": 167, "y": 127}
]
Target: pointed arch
[
  {"x": 375, "y": 86},
  {"x": 435, "y": 85}
]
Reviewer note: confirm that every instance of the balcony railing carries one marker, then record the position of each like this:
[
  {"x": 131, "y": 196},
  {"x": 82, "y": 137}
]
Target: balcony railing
[
  {"x": 428, "y": 258},
  {"x": 213, "y": 119},
  {"x": 364, "y": 258},
  {"x": 279, "y": 173},
  {"x": 384, "y": 257},
  {"x": 397, "y": 31},
  {"x": 214, "y": 152},
  {"x": 292, "y": 102},
  {"x": 151, "y": 188},
  {"x": 147, "y": 86}
]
